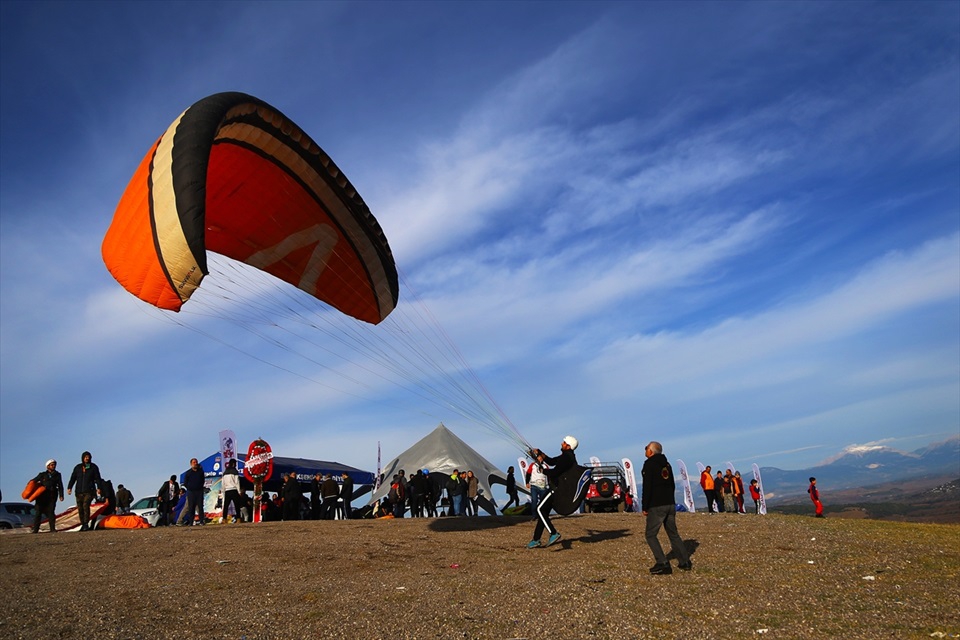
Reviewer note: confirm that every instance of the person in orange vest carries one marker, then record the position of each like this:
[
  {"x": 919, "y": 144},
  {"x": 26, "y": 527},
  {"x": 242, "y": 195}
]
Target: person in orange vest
[{"x": 706, "y": 483}]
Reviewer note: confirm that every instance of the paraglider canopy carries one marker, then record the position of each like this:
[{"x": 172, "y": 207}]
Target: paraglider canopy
[{"x": 234, "y": 176}]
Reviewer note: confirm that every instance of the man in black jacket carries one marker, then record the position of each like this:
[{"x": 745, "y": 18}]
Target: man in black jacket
[
  {"x": 659, "y": 505},
  {"x": 167, "y": 498},
  {"x": 346, "y": 494},
  {"x": 86, "y": 476}
]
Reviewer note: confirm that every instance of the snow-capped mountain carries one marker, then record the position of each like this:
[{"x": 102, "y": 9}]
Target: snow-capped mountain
[{"x": 862, "y": 466}]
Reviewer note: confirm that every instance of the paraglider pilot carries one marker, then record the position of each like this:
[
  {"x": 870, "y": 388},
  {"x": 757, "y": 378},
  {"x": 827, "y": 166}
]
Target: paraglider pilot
[{"x": 559, "y": 464}]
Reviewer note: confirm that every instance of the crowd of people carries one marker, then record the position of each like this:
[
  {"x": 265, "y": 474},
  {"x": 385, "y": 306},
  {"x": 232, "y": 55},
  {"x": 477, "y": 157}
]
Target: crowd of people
[
  {"x": 456, "y": 494},
  {"x": 184, "y": 504},
  {"x": 422, "y": 495},
  {"x": 725, "y": 491}
]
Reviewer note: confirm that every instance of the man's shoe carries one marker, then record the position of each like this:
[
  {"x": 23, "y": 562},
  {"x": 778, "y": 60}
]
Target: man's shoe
[
  {"x": 685, "y": 566},
  {"x": 554, "y": 538},
  {"x": 533, "y": 544},
  {"x": 661, "y": 569}
]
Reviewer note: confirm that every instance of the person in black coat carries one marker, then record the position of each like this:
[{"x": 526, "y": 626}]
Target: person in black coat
[
  {"x": 346, "y": 494},
  {"x": 659, "y": 505},
  {"x": 292, "y": 496},
  {"x": 511, "y": 490},
  {"x": 167, "y": 498},
  {"x": 86, "y": 477},
  {"x": 52, "y": 482}
]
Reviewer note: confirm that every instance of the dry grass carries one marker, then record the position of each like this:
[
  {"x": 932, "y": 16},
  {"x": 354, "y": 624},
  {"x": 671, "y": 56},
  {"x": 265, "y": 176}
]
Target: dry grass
[{"x": 773, "y": 577}]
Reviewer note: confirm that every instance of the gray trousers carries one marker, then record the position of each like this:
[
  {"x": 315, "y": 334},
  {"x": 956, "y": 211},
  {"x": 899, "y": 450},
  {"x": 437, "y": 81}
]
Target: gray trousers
[{"x": 666, "y": 517}]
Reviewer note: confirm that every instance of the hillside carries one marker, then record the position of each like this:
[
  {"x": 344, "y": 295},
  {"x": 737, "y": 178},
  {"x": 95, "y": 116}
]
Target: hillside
[
  {"x": 776, "y": 576},
  {"x": 931, "y": 500}
]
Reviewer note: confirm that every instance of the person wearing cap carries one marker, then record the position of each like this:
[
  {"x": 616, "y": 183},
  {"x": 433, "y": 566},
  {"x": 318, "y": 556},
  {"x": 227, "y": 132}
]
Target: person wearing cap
[
  {"x": 52, "y": 483},
  {"x": 558, "y": 465},
  {"x": 660, "y": 507}
]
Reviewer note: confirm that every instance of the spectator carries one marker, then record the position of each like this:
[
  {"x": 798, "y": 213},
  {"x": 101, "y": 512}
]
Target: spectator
[
  {"x": 537, "y": 484},
  {"x": 431, "y": 494},
  {"x": 418, "y": 493},
  {"x": 709, "y": 489},
  {"x": 346, "y": 495},
  {"x": 736, "y": 484},
  {"x": 231, "y": 492},
  {"x": 729, "y": 504},
  {"x": 718, "y": 487},
  {"x": 291, "y": 497},
  {"x": 454, "y": 493},
  {"x": 755, "y": 494},
  {"x": 473, "y": 492},
  {"x": 815, "y": 496},
  {"x": 330, "y": 493},
  {"x": 397, "y": 497},
  {"x": 124, "y": 499},
  {"x": 511, "y": 490},
  {"x": 167, "y": 498},
  {"x": 193, "y": 482},
  {"x": 315, "y": 505}
]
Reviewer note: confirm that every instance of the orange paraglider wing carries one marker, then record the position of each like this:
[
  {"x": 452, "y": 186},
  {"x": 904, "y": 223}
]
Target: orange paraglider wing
[{"x": 235, "y": 176}]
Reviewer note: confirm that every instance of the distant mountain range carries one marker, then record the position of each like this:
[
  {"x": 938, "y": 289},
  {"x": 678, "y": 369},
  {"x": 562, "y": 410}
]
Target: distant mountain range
[{"x": 863, "y": 466}]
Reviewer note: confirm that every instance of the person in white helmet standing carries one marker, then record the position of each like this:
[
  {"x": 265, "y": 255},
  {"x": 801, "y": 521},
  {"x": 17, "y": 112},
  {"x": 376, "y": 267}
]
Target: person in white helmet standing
[{"x": 558, "y": 465}]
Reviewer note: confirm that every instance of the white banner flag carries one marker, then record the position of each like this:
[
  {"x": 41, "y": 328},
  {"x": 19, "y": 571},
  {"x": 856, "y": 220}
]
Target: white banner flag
[
  {"x": 732, "y": 468},
  {"x": 687, "y": 492},
  {"x": 632, "y": 481},
  {"x": 594, "y": 461},
  {"x": 756, "y": 476},
  {"x": 523, "y": 465},
  {"x": 228, "y": 447},
  {"x": 376, "y": 482},
  {"x": 700, "y": 467}
]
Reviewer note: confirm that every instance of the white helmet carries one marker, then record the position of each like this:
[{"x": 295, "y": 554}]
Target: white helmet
[{"x": 571, "y": 442}]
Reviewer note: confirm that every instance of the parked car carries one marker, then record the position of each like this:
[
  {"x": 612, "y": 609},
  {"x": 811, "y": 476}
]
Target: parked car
[
  {"x": 607, "y": 489},
  {"x": 147, "y": 508},
  {"x": 14, "y": 515}
]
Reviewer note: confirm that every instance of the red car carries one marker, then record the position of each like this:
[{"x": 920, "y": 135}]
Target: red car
[{"x": 608, "y": 488}]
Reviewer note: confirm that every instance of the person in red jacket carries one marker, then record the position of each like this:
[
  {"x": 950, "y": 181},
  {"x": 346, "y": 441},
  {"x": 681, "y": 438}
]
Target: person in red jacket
[
  {"x": 815, "y": 496},
  {"x": 755, "y": 494}
]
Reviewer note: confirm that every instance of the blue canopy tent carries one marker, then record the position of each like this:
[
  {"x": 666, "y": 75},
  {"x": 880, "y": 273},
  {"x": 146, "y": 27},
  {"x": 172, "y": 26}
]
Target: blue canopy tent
[{"x": 305, "y": 469}]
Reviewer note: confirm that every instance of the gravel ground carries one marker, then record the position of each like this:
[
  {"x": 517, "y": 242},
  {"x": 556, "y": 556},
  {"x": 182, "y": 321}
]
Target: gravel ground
[{"x": 773, "y": 577}]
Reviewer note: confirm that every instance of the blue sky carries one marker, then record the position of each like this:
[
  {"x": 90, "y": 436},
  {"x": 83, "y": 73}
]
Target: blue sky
[{"x": 733, "y": 228}]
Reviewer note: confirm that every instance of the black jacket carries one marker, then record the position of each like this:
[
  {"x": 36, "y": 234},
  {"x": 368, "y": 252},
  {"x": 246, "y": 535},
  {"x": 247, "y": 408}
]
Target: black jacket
[
  {"x": 163, "y": 495},
  {"x": 346, "y": 489},
  {"x": 658, "y": 483},
  {"x": 558, "y": 465},
  {"x": 87, "y": 478},
  {"x": 53, "y": 484}
]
